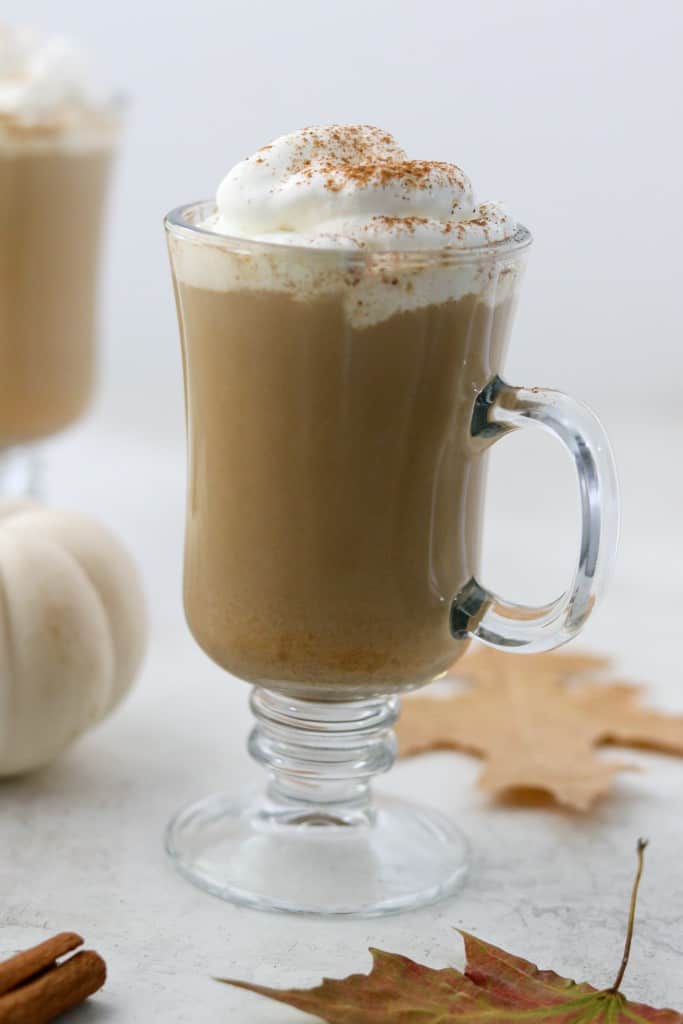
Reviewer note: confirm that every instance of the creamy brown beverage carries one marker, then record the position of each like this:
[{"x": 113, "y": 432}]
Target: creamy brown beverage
[
  {"x": 56, "y": 147},
  {"x": 332, "y": 360}
]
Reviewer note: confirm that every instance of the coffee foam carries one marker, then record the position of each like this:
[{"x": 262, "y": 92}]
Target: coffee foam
[
  {"x": 75, "y": 135},
  {"x": 370, "y": 291},
  {"x": 359, "y": 213}
]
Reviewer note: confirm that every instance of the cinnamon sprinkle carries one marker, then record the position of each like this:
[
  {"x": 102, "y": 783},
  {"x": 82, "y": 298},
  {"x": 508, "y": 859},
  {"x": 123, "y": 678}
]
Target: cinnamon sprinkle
[
  {"x": 403, "y": 222},
  {"x": 364, "y": 155},
  {"x": 411, "y": 174}
]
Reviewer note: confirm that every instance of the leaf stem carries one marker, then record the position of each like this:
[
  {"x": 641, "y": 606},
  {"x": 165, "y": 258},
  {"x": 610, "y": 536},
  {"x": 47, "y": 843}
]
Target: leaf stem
[{"x": 640, "y": 850}]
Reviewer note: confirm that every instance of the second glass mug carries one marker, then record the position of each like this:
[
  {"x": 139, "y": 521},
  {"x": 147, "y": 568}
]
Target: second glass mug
[
  {"x": 53, "y": 194},
  {"x": 337, "y": 458}
]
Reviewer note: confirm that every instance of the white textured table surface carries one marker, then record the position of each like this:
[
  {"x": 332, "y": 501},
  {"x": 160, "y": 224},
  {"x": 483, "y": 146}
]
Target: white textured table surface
[{"x": 80, "y": 843}]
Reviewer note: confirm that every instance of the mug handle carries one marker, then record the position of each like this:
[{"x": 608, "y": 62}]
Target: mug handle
[{"x": 476, "y": 612}]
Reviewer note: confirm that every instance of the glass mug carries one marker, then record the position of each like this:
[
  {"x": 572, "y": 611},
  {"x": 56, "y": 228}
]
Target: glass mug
[
  {"x": 53, "y": 195},
  {"x": 337, "y": 435}
]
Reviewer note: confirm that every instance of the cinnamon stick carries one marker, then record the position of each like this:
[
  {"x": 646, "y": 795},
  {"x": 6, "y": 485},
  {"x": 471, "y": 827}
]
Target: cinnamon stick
[
  {"x": 29, "y": 962},
  {"x": 58, "y": 989}
]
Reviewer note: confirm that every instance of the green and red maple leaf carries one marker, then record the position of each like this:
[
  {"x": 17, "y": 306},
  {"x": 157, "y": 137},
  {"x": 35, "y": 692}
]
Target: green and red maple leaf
[{"x": 496, "y": 988}]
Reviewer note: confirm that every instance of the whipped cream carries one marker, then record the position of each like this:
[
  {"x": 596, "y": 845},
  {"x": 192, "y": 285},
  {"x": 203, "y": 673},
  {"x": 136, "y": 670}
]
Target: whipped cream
[
  {"x": 366, "y": 221},
  {"x": 352, "y": 186},
  {"x": 45, "y": 80}
]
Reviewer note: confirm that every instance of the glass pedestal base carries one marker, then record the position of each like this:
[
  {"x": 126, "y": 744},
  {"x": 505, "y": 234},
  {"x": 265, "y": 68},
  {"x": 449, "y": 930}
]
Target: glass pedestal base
[
  {"x": 392, "y": 857},
  {"x": 316, "y": 842}
]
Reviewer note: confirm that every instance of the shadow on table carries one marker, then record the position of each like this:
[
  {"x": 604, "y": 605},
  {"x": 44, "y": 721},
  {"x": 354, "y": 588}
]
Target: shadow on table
[{"x": 93, "y": 1011}]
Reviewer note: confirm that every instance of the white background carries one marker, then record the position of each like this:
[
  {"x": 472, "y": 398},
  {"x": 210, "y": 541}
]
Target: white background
[{"x": 569, "y": 111}]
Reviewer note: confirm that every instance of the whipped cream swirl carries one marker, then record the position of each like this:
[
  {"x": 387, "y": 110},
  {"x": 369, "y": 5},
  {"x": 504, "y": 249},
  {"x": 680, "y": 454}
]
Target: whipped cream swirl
[
  {"x": 352, "y": 186},
  {"x": 370, "y": 225},
  {"x": 43, "y": 78}
]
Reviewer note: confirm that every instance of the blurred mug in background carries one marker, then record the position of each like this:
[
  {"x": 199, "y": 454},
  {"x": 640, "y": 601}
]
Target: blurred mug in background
[{"x": 57, "y": 141}]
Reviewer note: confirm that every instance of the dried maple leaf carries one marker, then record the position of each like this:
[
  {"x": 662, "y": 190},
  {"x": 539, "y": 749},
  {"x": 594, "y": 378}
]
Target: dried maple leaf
[
  {"x": 496, "y": 988},
  {"x": 536, "y": 720}
]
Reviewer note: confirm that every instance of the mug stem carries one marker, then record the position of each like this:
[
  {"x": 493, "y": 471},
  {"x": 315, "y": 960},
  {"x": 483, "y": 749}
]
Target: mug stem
[
  {"x": 321, "y": 756},
  {"x": 19, "y": 472}
]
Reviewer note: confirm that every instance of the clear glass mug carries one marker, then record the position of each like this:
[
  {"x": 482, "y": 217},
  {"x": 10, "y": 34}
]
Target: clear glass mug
[
  {"x": 53, "y": 192},
  {"x": 339, "y": 411}
]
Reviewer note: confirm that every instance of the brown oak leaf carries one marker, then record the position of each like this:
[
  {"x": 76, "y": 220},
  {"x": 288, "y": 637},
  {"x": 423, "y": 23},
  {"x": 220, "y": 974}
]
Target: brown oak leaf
[
  {"x": 495, "y": 988},
  {"x": 536, "y": 720}
]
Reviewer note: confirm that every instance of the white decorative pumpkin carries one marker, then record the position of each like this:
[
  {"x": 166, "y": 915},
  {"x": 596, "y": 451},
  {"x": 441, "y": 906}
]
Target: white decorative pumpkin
[{"x": 72, "y": 630}]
